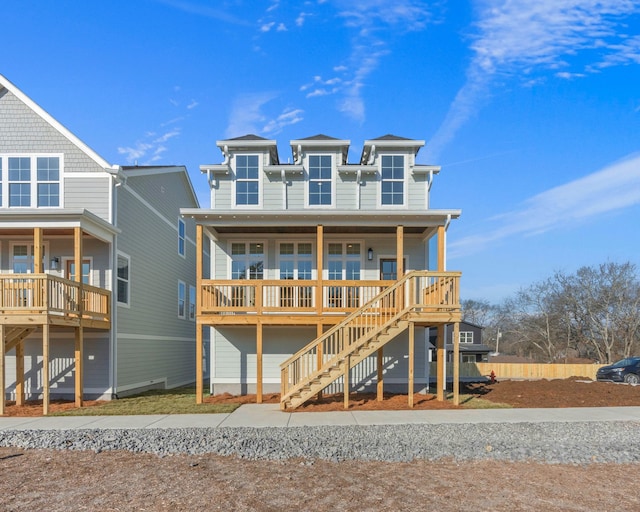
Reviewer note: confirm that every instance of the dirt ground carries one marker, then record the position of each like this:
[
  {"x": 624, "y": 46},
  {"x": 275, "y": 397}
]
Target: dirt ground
[
  {"x": 122, "y": 481},
  {"x": 538, "y": 393}
]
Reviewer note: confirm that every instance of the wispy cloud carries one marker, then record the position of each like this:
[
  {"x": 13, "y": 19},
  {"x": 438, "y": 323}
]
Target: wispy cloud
[
  {"x": 205, "y": 9},
  {"x": 371, "y": 20},
  {"x": 611, "y": 189},
  {"x": 287, "y": 118},
  {"x": 522, "y": 37}
]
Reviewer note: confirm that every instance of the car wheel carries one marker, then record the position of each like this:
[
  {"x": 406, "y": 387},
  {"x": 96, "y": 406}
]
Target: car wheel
[{"x": 631, "y": 378}]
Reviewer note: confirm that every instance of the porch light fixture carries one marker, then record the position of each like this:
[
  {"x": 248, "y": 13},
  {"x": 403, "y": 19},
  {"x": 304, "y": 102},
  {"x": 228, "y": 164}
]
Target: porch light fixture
[
  {"x": 370, "y": 254},
  {"x": 54, "y": 263}
]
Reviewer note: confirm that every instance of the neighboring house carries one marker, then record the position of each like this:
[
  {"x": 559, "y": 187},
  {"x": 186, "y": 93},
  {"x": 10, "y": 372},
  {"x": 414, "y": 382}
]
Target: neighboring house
[
  {"x": 472, "y": 349},
  {"x": 295, "y": 250},
  {"x": 97, "y": 282}
]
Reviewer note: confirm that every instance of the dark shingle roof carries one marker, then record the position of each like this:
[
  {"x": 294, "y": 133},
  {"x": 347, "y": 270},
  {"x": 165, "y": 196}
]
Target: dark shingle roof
[
  {"x": 249, "y": 136},
  {"x": 320, "y": 136}
]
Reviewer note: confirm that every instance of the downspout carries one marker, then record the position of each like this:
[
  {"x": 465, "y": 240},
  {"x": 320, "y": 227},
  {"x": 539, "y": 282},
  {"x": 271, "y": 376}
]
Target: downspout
[
  {"x": 358, "y": 180},
  {"x": 118, "y": 180}
]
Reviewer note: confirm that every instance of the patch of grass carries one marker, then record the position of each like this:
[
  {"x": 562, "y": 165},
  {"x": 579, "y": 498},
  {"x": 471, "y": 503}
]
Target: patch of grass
[
  {"x": 475, "y": 402},
  {"x": 157, "y": 401}
]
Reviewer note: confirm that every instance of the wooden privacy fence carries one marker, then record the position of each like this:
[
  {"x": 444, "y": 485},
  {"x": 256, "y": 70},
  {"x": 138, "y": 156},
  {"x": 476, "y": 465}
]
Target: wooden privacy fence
[{"x": 523, "y": 370}]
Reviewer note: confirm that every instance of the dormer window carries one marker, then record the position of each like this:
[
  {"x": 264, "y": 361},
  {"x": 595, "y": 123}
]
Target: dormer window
[
  {"x": 392, "y": 187},
  {"x": 247, "y": 180},
  {"x": 320, "y": 180}
]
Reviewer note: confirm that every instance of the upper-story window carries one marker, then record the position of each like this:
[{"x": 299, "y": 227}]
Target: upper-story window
[
  {"x": 466, "y": 336},
  {"x": 392, "y": 181},
  {"x": 247, "y": 180},
  {"x": 320, "y": 180},
  {"x": 30, "y": 181}
]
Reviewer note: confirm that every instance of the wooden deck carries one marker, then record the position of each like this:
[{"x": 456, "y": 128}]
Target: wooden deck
[
  {"x": 309, "y": 302},
  {"x": 38, "y": 299}
]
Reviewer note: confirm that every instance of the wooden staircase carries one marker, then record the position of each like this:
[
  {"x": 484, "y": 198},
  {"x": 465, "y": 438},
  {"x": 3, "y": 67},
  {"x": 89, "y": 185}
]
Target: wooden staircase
[
  {"x": 364, "y": 331},
  {"x": 15, "y": 334}
]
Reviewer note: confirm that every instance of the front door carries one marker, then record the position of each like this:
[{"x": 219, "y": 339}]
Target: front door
[
  {"x": 389, "y": 269},
  {"x": 86, "y": 270}
]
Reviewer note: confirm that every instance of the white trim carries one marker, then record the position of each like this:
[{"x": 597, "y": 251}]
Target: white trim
[
  {"x": 405, "y": 183},
  {"x": 29, "y": 243},
  {"x": 333, "y": 180},
  {"x": 65, "y": 259},
  {"x": 235, "y": 181}
]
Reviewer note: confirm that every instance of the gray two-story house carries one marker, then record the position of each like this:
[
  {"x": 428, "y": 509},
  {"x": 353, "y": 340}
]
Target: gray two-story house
[
  {"x": 97, "y": 267},
  {"x": 320, "y": 273}
]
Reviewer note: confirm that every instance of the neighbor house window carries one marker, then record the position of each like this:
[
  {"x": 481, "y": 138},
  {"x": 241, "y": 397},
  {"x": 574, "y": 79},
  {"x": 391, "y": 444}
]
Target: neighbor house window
[
  {"x": 469, "y": 358},
  {"x": 182, "y": 292},
  {"x": 48, "y": 171},
  {"x": 181, "y": 237},
  {"x": 466, "y": 337},
  {"x": 30, "y": 181},
  {"x": 392, "y": 181},
  {"x": 320, "y": 193},
  {"x": 247, "y": 180},
  {"x": 192, "y": 302},
  {"x": 19, "y": 181},
  {"x": 124, "y": 279}
]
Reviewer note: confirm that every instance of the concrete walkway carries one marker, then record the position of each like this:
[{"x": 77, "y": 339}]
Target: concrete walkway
[{"x": 269, "y": 415}]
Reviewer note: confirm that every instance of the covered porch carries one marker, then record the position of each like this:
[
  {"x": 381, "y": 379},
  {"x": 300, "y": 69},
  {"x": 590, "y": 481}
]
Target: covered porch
[{"x": 54, "y": 291}]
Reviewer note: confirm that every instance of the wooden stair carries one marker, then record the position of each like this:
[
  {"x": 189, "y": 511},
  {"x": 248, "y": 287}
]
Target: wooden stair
[
  {"x": 360, "y": 351},
  {"x": 14, "y": 335}
]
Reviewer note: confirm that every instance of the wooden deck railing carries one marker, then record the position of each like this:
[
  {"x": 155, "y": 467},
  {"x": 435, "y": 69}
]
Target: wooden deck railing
[
  {"x": 24, "y": 294},
  {"x": 407, "y": 294},
  {"x": 299, "y": 296}
]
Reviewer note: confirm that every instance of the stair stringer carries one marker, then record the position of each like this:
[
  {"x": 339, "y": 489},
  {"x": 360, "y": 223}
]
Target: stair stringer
[{"x": 333, "y": 369}]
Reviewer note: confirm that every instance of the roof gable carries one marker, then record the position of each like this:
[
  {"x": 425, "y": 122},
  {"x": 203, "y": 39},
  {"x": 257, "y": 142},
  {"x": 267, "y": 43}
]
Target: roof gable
[{"x": 45, "y": 116}]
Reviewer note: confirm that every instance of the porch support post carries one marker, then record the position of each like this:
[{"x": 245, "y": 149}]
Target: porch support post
[
  {"x": 319, "y": 331},
  {"x": 37, "y": 251},
  {"x": 20, "y": 374},
  {"x": 347, "y": 385},
  {"x": 400, "y": 251},
  {"x": 441, "y": 246},
  {"x": 79, "y": 356},
  {"x": 77, "y": 259},
  {"x": 199, "y": 342},
  {"x": 456, "y": 363},
  {"x": 380, "y": 374},
  {"x": 440, "y": 379},
  {"x": 2, "y": 370},
  {"x": 319, "y": 266},
  {"x": 259, "y": 363},
  {"x": 45, "y": 369},
  {"x": 411, "y": 361}
]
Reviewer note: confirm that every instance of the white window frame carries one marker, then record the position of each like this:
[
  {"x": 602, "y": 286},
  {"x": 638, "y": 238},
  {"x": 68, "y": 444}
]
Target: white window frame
[
  {"x": 191, "y": 303},
  {"x": 126, "y": 304},
  {"x": 67, "y": 259},
  {"x": 29, "y": 244},
  {"x": 404, "y": 180},
  {"x": 465, "y": 337},
  {"x": 295, "y": 257},
  {"x": 236, "y": 180},
  {"x": 247, "y": 255},
  {"x": 182, "y": 239},
  {"x": 331, "y": 180},
  {"x": 33, "y": 179},
  {"x": 344, "y": 257},
  {"x": 182, "y": 299}
]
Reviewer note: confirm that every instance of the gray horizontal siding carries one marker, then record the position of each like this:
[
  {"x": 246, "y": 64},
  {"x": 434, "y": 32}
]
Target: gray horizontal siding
[
  {"x": 89, "y": 193},
  {"x": 62, "y": 364}
]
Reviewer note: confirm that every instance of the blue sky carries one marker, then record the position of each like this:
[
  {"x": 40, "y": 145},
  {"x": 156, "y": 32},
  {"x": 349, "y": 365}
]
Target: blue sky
[{"x": 531, "y": 107}]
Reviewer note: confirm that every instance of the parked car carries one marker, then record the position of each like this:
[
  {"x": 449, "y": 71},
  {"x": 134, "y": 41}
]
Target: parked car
[{"x": 626, "y": 370}]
